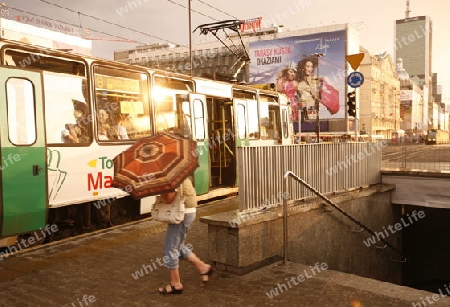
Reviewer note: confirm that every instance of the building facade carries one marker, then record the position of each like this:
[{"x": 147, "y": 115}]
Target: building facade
[
  {"x": 42, "y": 32},
  {"x": 379, "y": 96},
  {"x": 412, "y": 109},
  {"x": 413, "y": 43}
]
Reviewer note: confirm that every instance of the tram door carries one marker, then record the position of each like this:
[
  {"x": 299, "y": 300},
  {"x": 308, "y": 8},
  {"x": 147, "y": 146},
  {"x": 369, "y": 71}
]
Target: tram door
[
  {"x": 23, "y": 194},
  {"x": 200, "y": 134}
]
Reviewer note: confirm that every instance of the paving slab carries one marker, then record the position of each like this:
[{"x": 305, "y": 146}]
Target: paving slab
[{"x": 120, "y": 267}]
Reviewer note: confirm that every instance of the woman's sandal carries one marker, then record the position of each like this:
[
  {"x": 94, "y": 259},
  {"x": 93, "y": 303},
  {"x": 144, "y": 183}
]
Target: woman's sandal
[
  {"x": 173, "y": 290},
  {"x": 207, "y": 274}
]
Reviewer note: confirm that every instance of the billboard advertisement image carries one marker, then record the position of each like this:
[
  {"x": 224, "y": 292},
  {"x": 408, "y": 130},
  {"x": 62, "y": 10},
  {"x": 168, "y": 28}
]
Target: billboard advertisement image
[{"x": 309, "y": 69}]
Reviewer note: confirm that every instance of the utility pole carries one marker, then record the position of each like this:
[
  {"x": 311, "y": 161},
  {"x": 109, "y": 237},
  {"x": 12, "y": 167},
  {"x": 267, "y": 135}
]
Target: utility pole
[
  {"x": 318, "y": 96},
  {"x": 407, "y": 10},
  {"x": 190, "y": 38}
]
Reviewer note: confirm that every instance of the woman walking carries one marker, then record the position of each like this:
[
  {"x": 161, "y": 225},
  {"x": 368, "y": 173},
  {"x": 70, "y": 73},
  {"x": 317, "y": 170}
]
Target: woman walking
[{"x": 174, "y": 244}]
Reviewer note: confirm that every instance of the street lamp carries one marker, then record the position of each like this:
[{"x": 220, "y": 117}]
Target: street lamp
[{"x": 318, "y": 96}]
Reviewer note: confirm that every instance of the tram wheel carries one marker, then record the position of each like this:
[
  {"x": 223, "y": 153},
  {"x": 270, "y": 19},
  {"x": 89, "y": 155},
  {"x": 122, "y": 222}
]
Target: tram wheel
[{"x": 122, "y": 211}]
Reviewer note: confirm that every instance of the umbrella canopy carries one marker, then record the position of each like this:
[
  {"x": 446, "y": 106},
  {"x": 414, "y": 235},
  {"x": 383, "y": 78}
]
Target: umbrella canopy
[{"x": 155, "y": 165}]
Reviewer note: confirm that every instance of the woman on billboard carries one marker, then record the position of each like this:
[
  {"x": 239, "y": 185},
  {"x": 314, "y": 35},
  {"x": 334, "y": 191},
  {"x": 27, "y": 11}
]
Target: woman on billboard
[
  {"x": 288, "y": 85},
  {"x": 308, "y": 88},
  {"x": 307, "y": 85}
]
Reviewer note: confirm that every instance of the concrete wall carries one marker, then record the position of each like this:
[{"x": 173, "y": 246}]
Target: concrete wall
[
  {"x": 322, "y": 236},
  {"x": 240, "y": 243},
  {"x": 240, "y": 248},
  {"x": 425, "y": 189}
]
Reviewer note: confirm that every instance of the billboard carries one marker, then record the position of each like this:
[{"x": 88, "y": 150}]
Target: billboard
[
  {"x": 406, "y": 97},
  {"x": 301, "y": 65}
]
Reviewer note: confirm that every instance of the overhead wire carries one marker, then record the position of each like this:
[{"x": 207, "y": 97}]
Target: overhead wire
[
  {"x": 111, "y": 23},
  {"x": 68, "y": 23},
  {"x": 217, "y": 9},
  {"x": 134, "y": 30},
  {"x": 192, "y": 10}
]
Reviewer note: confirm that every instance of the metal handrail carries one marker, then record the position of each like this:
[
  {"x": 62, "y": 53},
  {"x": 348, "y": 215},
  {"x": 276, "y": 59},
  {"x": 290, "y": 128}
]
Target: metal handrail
[{"x": 328, "y": 201}]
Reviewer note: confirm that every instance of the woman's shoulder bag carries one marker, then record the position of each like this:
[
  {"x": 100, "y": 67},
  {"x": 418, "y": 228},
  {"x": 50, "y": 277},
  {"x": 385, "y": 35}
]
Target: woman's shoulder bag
[{"x": 172, "y": 213}]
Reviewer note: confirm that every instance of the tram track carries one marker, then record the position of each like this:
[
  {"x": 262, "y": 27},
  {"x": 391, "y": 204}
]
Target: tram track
[
  {"x": 416, "y": 153},
  {"x": 435, "y": 158},
  {"x": 151, "y": 227}
]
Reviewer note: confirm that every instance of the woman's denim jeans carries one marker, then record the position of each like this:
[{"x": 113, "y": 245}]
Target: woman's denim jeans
[{"x": 174, "y": 245}]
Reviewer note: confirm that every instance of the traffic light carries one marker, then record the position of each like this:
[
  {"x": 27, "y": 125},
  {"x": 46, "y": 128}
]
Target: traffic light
[{"x": 351, "y": 103}]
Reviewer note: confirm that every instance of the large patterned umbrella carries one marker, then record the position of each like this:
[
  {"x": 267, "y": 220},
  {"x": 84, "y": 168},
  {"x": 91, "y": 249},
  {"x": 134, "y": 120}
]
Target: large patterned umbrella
[{"x": 155, "y": 165}]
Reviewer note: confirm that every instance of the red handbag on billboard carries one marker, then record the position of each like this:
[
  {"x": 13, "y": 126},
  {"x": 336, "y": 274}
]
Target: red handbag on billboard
[{"x": 330, "y": 97}]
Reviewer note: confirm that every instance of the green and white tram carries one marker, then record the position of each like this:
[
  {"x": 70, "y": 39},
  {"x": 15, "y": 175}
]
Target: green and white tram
[{"x": 64, "y": 117}]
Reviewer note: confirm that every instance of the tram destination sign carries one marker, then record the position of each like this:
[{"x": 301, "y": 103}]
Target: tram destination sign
[{"x": 109, "y": 83}]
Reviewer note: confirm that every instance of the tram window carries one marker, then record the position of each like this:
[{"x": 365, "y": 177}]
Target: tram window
[
  {"x": 253, "y": 121},
  {"x": 42, "y": 61},
  {"x": 172, "y": 112},
  {"x": 241, "y": 121},
  {"x": 244, "y": 94},
  {"x": 65, "y": 86},
  {"x": 173, "y": 84},
  {"x": 165, "y": 116},
  {"x": 68, "y": 118},
  {"x": 21, "y": 111},
  {"x": 121, "y": 102},
  {"x": 268, "y": 98},
  {"x": 9, "y": 60},
  {"x": 270, "y": 121},
  {"x": 199, "y": 117},
  {"x": 285, "y": 124},
  {"x": 184, "y": 116}
]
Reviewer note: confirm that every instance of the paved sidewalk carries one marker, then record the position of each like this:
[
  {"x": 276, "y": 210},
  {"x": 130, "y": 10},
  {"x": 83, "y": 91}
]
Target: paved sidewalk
[{"x": 102, "y": 268}]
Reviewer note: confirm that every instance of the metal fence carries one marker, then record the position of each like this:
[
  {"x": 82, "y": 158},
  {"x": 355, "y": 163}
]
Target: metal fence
[
  {"x": 426, "y": 158},
  {"x": 326, "y": 167}
]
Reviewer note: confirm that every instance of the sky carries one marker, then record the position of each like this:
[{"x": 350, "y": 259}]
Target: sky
[{"x": 167, "y": 21}]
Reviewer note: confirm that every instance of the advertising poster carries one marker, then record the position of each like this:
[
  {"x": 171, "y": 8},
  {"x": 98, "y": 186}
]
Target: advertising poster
[
  {"x": 301, "y": 65},
  {"x": 406, "y": 97}
]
